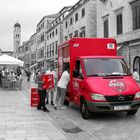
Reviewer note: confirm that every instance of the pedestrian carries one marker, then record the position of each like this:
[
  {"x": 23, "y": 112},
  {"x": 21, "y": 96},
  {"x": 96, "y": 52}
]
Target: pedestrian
[
  {"x": 61, "y": 89},
  {"x": 136, "y": 75},
  {"x": 20, "y": 79},
  {"x": 0, "y": 77},
  {"x": 18, "y": 71},
  {"x": 28, "y": 74},
  {"x": 41, "y": 91},
  {"x": 51, "y": 90}
]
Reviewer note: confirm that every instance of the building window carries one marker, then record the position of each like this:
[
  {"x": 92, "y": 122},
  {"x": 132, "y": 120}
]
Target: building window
[
  {"x": 41, "y": 53},
  {"x": 42, "y": 37},
  {"x": 119, "y": 24},
  {"x": 70, "y": 35},
  {"x": 52, "y": 49},
  {"x": 56, "y": 31},
  {"x": 48, "y": 51},
  {"x": 56, "y": 47},
  {"x": 105, "y": 23},
  {"x": 53, "y": 34},
  {"x": 76, "y": 17},
  {"x": 136, "y": 17},
  {"x": 66, "y": 38},
  {"x": 47, "y": 36},
  {"x": 66, "y": 24},
  {"x": 76, "y": 33},
  {"x": 82, "y": 33},
  {"x": 83, "y": 12},
  {"x": 71, "y": 21},
  {"x": 135, "y": 4}
]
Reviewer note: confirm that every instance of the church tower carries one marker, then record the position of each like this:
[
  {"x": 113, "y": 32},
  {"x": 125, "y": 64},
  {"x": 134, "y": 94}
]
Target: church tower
[{"x": 17, "y": 37}]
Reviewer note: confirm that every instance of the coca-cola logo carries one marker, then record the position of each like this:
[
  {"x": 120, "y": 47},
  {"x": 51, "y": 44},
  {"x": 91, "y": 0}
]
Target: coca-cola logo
[{"x": 117, "y": 85}]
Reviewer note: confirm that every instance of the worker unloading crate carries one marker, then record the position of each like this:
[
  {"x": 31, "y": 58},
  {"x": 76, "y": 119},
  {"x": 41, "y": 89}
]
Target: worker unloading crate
[{"x": 43, "y": 84}]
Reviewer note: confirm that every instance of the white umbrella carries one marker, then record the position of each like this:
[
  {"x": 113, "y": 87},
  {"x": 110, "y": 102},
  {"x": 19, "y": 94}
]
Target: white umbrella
[{"x": 9, "y": 60}]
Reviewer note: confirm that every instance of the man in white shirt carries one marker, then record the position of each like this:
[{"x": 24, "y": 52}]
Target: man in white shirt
[
  {"x": 51, "y": 91},
  {"x": 61, "y": 89}
]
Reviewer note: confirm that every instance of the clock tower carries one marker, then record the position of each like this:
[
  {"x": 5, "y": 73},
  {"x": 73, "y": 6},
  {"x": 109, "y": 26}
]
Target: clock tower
[{"x": 17, "y": 37}]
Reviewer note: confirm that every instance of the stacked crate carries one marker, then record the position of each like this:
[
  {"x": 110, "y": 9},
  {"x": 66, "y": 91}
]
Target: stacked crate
[
  {"x": 48, "y": 84},
  {"x": 34, "y": 97}
]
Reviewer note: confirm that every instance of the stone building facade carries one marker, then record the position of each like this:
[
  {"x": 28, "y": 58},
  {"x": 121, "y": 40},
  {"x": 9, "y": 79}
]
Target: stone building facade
[
  {"x": 54, "y": 37},
  {"x": 27, "y": 54},
  {"x": 81, "y": 20},
  {"x": 33, "y": 49},
  {"x": 120, "y": 19},
  {"x": 78, "y": 20},
  {"x": 21, "y": 52},
  {"x": 42, "y": 27},
  {"x": 74, "y": 21}
]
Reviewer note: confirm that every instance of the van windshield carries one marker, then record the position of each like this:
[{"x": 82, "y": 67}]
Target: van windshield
[{"x": 105, "y": 67}]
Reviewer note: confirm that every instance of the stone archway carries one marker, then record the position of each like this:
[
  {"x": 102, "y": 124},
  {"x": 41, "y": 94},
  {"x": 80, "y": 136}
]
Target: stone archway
[{"x": 136, "y": 64}]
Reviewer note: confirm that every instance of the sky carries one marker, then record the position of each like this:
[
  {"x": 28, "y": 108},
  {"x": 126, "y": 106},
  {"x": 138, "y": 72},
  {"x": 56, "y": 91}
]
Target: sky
[{"x": 28, "y": 13}]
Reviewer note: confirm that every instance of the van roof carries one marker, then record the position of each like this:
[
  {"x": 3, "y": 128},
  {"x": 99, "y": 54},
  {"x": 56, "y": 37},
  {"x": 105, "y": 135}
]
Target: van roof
[{"x": 113, "y": 57}]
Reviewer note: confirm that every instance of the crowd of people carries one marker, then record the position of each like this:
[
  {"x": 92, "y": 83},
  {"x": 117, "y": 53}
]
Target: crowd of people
[
  {"x": 51, "y": 96},
  {"x": 58, "y": 91},
  {"x": 12, "y": 76}
]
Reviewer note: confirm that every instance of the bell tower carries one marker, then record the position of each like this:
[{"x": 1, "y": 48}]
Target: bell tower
[{"x": 17, "y": 37}]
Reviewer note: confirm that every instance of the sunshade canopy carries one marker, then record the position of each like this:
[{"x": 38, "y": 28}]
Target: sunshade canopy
[{"x": 9, "y": 60}]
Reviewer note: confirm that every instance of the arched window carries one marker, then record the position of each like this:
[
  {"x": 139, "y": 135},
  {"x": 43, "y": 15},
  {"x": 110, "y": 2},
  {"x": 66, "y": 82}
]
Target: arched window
[{"x": 136, "y": 64}]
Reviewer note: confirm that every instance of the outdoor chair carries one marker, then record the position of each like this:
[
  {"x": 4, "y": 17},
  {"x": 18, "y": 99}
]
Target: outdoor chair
[{"x": 6, "y": 83}]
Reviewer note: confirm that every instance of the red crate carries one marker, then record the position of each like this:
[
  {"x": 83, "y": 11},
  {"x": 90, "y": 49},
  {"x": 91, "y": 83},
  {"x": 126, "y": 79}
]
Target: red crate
[
  {"x": 47, "y": 77},
  {"x": 49, "y": 81},
  {"x": 34, "y": 97},
  {"x": 34, "y": 104}
]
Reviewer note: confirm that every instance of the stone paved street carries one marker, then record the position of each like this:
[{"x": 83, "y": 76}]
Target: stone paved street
[{"x": 19, "y": 121}]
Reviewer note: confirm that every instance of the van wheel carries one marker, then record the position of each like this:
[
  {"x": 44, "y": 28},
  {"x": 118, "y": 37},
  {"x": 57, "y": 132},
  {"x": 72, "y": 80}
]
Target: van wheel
[
  {"x": 84, "y": 110},
  {"x": 132, "y": 112}
]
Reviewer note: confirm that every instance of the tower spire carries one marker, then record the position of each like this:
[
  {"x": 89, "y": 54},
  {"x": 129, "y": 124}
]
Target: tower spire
[{"x": 17, "y": 37}]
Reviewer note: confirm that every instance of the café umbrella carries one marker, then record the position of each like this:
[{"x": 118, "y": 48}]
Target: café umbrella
[{"x": 9, "y": 60}]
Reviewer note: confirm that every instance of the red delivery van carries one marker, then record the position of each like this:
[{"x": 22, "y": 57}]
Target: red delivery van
[{"x": 100, "y": 81}]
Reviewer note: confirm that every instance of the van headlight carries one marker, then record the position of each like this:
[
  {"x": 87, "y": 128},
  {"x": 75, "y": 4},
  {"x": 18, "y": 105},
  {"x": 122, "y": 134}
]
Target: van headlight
[
  {"x": 137, "y": 95},
  {"x": 98, "y": 97}
]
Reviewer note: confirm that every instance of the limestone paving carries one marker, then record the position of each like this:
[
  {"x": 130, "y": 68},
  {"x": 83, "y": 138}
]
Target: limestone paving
[{"x": 19, "y": 121}]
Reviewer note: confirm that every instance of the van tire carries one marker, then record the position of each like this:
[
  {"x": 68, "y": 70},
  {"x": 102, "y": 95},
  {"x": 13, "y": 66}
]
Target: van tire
[
  {"x": 132, "y": 112},
  {"x": 84, "y": 110}
]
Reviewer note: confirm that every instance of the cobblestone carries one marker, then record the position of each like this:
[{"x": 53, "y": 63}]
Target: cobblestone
[{"x": 19, "y": 121}]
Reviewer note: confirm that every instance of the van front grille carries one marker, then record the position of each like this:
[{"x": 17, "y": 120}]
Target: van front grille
[{"x": 117, "y": 99}]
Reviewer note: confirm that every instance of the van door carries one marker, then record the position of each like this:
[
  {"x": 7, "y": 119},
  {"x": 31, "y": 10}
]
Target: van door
[{"x": 78, "y": 82}]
